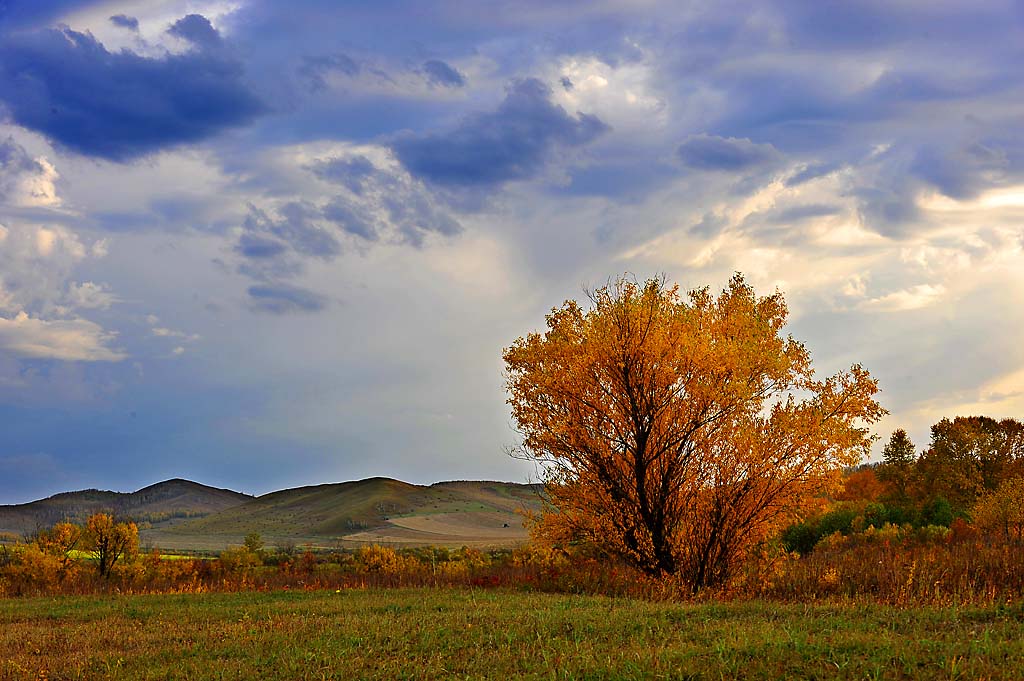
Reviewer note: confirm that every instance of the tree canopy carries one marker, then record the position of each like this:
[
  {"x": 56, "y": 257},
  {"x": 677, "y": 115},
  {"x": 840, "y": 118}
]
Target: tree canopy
[
  {"x": 969, "y": 456},
  {"x": 678, "y": 432}
]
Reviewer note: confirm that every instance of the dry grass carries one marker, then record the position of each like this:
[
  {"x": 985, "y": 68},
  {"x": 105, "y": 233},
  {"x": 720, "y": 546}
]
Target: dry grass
[{"x": 472, "y": 633}]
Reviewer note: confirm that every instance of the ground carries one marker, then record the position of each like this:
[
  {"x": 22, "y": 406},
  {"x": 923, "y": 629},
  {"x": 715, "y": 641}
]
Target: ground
[{"x": 474, "y": 633}]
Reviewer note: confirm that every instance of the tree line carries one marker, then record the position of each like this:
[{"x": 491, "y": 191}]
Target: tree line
[{"x": 972, "y": 471}]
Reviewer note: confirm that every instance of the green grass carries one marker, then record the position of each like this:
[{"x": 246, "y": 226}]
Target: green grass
[{"x": 425, "y": 633}]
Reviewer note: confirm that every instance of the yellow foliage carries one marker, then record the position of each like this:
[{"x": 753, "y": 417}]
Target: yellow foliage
[
  {"x": 383, "y": 559},
  {"x": 109, "y": 541},
  {"x": 61, "y": 541},
  {"x": 680, "y": 433},
  {"x": 239, "y": 560},
  {"x": 1002, "y": 511}
]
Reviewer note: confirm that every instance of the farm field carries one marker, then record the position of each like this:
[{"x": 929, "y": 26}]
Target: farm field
[{"x": 473, "y": 633}]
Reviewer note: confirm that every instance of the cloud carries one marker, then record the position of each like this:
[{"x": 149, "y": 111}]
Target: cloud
[
  {"x": 284, "y": 299},
  {"x": 125, "y": 21},
  {"x": 119, "y": 105},
  {"x": 414, "y": 216},
  {"x": 89, "y": 296},
  {"x": 350, "y": 172},
  {"x": 196, "y": 29},
  {"x": 962, "y": 173},
  {"x": 440, "y": 73},
  {"x": 488, "y": 149},
  {"x": 315, "y": 69},
  {"x": 296, "y": 226},
  {"x": 39, "y": 305},
  {"x": 385, "y": 202},
  {"x": 351, "y": 219},
  {"x": 36, "y": 264},
  {"x": 710, "y": 224},
  {"x": 22, "y": 15},
  {"x": 914, "y": 298},
  {"x": 69, "y": 340},
  {"x": 255, "y": 246},
  {"x": 728, "y": 154},
  {"x": 811, "y": 171},
  {"x": 804, "y": 212},
  {"x": 25, "y": 181}
]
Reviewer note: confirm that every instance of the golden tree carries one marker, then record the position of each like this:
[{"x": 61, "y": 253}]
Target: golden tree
[
  {"x": 679, "y": 432},
  {"x": 109, "y": 541},
  {"x": 1002, "y": 510},
  {"x": 60, "y": 541}
]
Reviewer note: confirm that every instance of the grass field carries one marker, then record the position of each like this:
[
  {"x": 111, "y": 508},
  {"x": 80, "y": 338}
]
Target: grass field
[{"x": 428, "y": 633}]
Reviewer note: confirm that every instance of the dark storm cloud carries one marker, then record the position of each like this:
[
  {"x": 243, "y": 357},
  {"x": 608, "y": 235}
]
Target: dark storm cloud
[
  {"x": 125, "y": 21},
  {"x": 710, "y": 152},
  {"x": 284, "y": 299},
  {"x": 119, "y": 105},
  {"x": 349, "y": 172},
  {"x": 512, "y": 143},
  {"x": 440, "y": 73},
  {"x": 196, "y": 29}
]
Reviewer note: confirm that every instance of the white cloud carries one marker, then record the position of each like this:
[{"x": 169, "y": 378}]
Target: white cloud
[
  {"x": 69, "y": 340},
  {"x": 26, "y": 181},
  {"x": 90, "y": 296},
  {"x": 36, "y": 268},
  {"x": 913, "y": 298}
]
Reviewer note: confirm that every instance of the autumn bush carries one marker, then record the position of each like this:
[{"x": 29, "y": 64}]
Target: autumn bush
[{"x": 896, "y": 566}]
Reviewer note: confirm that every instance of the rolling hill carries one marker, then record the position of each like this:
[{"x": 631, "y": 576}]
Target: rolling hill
[
  {"x": 179, "y": 514},
  {"x": 376, "y": 510},
  {"x": 161, "y": 502}
]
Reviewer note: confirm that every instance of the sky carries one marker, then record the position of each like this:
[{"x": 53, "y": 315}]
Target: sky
[{"x": 261, "y": 244}]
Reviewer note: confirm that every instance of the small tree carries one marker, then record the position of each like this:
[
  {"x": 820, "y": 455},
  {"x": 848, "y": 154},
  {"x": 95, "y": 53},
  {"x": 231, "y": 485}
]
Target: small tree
[
  {"x": 253, "y": 543},
  {"x": 678, "y": 433},
  {"x": 897, "y": 466},
  {"x": 109, "y": 541},
  {"x": 1002, "y": 511},
  {"x": 61, "y": 541}
]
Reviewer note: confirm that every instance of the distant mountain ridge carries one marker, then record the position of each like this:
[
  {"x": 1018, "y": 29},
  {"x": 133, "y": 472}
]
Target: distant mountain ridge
[{"x": 181, "y": 514}]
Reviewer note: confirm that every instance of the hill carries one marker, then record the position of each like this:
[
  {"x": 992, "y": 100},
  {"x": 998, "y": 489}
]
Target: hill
[
  {"x": 157, "y": 503},
  {"x": 180, "y": 514},
  {"x": 376, "y": 510}
]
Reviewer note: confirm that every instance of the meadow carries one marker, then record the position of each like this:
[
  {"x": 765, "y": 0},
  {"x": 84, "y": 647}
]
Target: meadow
[
  {"x": 864, "y": 588},
  {"x": 479, "y": 633}
]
